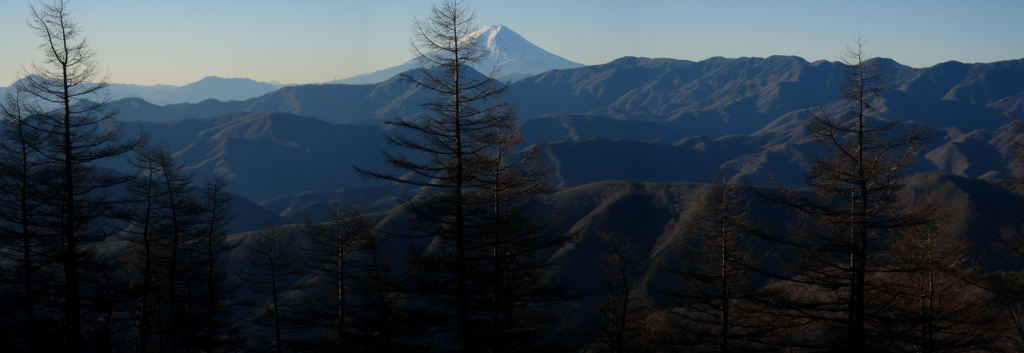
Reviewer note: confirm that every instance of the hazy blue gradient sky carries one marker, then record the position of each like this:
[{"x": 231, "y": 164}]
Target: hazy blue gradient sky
[{"x": 303, "y": 41}]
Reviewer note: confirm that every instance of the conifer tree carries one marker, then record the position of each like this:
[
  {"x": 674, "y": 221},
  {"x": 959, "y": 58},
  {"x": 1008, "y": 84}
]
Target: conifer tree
[
  {"x": 271, "y": 271},
  {"x": 443, "y": 146},
  {"x": 67, "y": 85},
  {"x": 327, "y": 255},
  {"x": 214, "y": 247},
  {"x": 182, "y": 219},
  {"x": 854, "y": 208},
  {"x": 1008, "y": 286},
  {"x": 514, "y": 242},
  {"x": 19, "y": 196},
  {"x": 623, "y": 307},
  {"x": 715, "y": 306},
  {"x": 924, "y": 302},
  {"x": 166, "y": 268},
  {"x": 146, "y": 251},
  {"x": 381, "y": 323}
]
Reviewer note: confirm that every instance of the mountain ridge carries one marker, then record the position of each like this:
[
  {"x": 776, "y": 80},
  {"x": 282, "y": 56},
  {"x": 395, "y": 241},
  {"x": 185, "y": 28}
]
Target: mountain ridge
[
  {"x": 206, "y": 88},
  {"x": 209, "y": 87},
  {"x": 280, "y": 155},
  {"x": 715, "y": 97}
]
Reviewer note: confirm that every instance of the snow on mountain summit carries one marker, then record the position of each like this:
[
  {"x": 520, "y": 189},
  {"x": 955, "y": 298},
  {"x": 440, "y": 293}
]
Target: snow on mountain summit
[
  {"x": 513, "y": 55},
  {"x": 509, "y": 55}
]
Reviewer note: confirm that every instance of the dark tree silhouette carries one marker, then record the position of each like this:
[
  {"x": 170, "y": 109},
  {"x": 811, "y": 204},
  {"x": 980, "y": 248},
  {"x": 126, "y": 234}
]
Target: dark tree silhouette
[
  {"x": 1008, "y": 286},
  {"x": 512, "y": 242},
  {"x": 444, "y": 144},
  {"x": 214, "y": 247},
  {"x": 715, "y": 306},
  {"x": 925, "y": 305},
  {"x": 142, "y": 221},
  {"x": 271, "y": 271},
  {"x": 19, "y": 196},
  {"x": 67, "y": 84},
  {"x": 1013, "y": 240},
  {"x": 624, "y": 307},
  {"x": 381, "y": 323},
  {"x": 854, "y": 207},
  {"x": 182, "y": 224},
  {"x": 166, "y": 264},
  {"x": 327, "y": 254}
]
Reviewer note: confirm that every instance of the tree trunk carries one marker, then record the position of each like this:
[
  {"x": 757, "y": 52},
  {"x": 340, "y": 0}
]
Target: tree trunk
[
  {"x": 273, "y": 296},
  {"x": 73, "y": 333},
  {"x": 340, "y": 330},
  {"x": 724, "y": 278},
  {"x": 26, "y": 238},
  {"x": 173, "y": 270},
  {"x": 147, "y": 271}
]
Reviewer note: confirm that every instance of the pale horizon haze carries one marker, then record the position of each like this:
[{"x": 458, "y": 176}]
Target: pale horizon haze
[{"x": 310, "y": 41}]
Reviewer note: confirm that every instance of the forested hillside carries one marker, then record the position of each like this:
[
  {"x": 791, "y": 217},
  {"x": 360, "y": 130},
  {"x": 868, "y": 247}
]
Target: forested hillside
[{"x": 641, "y": 205}]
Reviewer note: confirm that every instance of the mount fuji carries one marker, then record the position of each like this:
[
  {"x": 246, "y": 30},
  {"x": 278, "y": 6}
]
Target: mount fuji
[{"x": 509, "y": 53}]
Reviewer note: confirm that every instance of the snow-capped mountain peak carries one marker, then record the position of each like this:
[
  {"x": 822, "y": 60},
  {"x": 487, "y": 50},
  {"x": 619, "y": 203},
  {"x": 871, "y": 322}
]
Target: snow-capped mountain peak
[
  {"x": 512, "y": 55},
  {"x": 508, "y": 54}
]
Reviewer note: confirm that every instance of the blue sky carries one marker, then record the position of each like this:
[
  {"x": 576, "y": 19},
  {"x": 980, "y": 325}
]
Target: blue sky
[{"x": 302, "y": 41}]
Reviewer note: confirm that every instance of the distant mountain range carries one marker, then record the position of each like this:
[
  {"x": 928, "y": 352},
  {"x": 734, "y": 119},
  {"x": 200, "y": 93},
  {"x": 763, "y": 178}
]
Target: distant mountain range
[
  {"x": 508, "y": 55},
  {"x": 292, "y": 150},
  {"x": 208, "y": 88},
  {"x": 714, "y": 97}
]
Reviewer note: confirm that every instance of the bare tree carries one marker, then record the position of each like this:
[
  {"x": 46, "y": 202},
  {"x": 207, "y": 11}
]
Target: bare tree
[
  {"x": 624, "y": 308},
  {"x": 715, "y": 304},
  {"x": 271, "y": 271},
  {"x": 1013, "y": 240},
  {"x": 380, "y": 321},
  {"x": 855, "y": 205},
  {"x": 141, "y": 218},
  {"x": 19, "y": 197},
  {"x": 327, "y": 254},
  {"x": 182, "y": 217},
  {"x": 215, "y": 246},
  {"x": 1008, "y": 287},
  {"x": 165, "y": 229},
  {"x": 67, "y": 84},
  {"x": 512, "y": 242},
  {"x": 925, "y": 303},
  {"x": 444, "y": 143}
]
